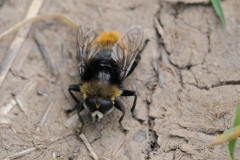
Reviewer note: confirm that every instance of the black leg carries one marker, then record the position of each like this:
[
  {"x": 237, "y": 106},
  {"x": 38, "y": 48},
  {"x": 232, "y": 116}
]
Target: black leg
[
  {"x": 121, "y": 108},
  {"x": 75, "y": 88},
  {"x": 138, "y": 58},
  {"x": 80, "y": 108},
  {"x": 71, "y": 110},
  {"x": 132, "y": 93}
]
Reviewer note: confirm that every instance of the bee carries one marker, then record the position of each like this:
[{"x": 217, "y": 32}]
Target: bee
[{"x": 104, "y": 62}]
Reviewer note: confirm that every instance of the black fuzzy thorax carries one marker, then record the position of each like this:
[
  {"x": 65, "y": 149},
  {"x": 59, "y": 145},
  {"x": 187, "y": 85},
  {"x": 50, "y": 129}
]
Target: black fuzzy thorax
[{"x": 102, "y": 68}]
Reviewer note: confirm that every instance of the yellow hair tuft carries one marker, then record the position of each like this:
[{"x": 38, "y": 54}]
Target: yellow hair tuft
[
  {"x": 101, "y": 89},
  {"x": 109, "y": 37}
]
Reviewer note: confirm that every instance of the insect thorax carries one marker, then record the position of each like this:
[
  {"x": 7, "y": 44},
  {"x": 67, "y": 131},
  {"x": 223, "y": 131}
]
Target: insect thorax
[{"x": 100, "y": 89}]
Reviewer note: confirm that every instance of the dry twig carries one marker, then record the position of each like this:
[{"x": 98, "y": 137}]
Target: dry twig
[
  {"x": 24, "y": 152},
  {"x": 21, "y": 35},
  {"x": 46, "y": 53},
  {"x": 18, "y": 41},
  {"x": 159, "y": 70},
  {"x": 158, "y": 27},
  {"x": 60, "y": 16},
  {"x": 21, "y": 103},
  {"x": 17, "y": 100},
  {"x": 22, "y": 56},
  {"x": 89, "y": 147},
  {"x": 161, "y": 64},
  {"x": 20, "y": 97},
  {"x": 6, "y": 109},
  {"x": 5, "y": 118},
  {"x": 19, "y": 154},
  {"x": 46, "y": 113}
]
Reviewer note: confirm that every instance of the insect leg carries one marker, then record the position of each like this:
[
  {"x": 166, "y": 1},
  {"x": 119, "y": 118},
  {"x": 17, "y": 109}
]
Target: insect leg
[
  {"x": 81, "y": 129},
  {"x": 132, "y": 93},
  {"x": 138, "y": 58},
  {"x": 76, "y": 88},
  {"x": 121, "y": 108}
]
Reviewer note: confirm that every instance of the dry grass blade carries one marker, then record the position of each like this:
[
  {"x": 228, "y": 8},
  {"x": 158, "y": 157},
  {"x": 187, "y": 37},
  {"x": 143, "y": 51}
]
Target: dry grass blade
[
  {"x": 89, "y": 147},
  {"x": 60, "y": 16},
  {"x": 6, "y": 109},
  {"x": 57, "y": 138},
  {"x": 21, "y": 103},
  {"x": 24, "y": 152},
  {"x": 6, "y": 118},
  {"x": 51, "y": 141},
  {"x": 20, "y": 37},
  {"x": 158, "y": 27},
  {"x": 159, "y": 70},
  {"x": 19, "y": 154},
  {"x": 46, "y": 53},
  {"x": 46, "y": 113},
  {"x": 20, "y": 97},
  {"x": 22, "y": 57},
  {"x": 161, "y": 64},
  {"x": 18, "y": 41}
]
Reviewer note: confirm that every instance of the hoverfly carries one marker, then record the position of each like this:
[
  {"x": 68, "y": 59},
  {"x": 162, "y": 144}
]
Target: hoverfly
[{"x": 104, "y": 62}]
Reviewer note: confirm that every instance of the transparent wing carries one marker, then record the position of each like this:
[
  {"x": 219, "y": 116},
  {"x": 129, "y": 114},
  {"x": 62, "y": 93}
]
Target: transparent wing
[
  {"x": 127, "y": 48},
  {"x": 87, "y": 48}
]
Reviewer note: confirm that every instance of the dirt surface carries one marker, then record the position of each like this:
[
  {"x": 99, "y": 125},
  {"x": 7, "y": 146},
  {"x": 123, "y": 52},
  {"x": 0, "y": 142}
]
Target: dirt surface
[{"x": 186, "y": 104}]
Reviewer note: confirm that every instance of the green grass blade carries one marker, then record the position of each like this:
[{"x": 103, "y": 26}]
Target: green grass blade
[
  {"x": 227, "y": 136},
  {"x": 237, "y": 118},
  {"x": 232, "y": 144},
  {"x": 218, "y": 8},
  {"x": 231, "y": 147}
]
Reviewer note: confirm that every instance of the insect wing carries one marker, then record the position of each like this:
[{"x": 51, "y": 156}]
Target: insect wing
[
  {"x": 86, "y": 47},
  {"x": 127, "y": 48}
]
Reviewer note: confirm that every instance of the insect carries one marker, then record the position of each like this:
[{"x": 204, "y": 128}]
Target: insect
[{"x": 104, "y": 62}]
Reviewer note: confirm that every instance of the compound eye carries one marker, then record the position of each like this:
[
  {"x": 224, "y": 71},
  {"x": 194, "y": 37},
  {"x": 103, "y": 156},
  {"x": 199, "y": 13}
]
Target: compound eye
[
  {"x": 102, "y": 105},
  {"x": 105, "y": 106},
  {"x": 91, "y": 104}
]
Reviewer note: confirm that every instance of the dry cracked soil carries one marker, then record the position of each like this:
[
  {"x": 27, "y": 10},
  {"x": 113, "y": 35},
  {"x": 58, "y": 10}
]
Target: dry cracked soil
[{"x": 188, "y": 82}]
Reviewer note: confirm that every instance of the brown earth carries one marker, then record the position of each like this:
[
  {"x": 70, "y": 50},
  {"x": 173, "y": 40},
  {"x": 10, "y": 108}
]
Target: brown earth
[{"x": 196, "y": 99}]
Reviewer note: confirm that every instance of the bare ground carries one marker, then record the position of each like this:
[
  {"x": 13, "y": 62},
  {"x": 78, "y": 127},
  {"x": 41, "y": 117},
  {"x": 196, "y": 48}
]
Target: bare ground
[{"x": 195, "y": 100}]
